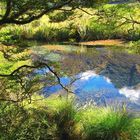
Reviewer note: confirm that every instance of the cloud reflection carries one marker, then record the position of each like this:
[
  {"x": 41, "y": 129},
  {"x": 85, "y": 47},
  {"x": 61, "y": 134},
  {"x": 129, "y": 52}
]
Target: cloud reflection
[
  {"x": 132, "y": 94},
  {"x": 87, "y": 75}
]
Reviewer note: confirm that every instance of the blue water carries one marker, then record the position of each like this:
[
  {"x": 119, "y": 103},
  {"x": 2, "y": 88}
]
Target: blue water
[
  {"x": 95, "y": 87},
  {"x": 105, "y": 76}
]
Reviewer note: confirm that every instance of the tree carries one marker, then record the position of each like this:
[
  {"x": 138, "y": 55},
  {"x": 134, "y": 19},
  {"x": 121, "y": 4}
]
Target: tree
[
  {"x": 26, "y": 11},
  {"x": 23, "y": 12}
]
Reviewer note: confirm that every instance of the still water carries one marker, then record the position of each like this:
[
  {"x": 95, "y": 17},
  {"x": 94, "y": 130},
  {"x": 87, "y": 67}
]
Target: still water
[{"x": 104, "y": 75}]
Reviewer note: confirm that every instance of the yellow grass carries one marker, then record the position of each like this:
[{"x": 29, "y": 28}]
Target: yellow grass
[{"x": 104, "y": 42}]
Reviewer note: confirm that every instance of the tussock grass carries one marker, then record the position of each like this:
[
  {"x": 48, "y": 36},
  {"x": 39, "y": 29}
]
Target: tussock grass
[
  {"x": 78, "y": 26},
  {"x": 106, "y": 124},
  {"x": 59, "y": 118}
]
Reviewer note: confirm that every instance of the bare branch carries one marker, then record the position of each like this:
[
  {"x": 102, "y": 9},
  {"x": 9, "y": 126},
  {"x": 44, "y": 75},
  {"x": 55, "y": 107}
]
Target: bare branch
[
  {"x": 85, "y": 11},
  {"x": 38, "y": 66},
  {"x": 15, "y": 71}
]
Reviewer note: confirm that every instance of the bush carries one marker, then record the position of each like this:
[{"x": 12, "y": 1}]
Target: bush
[
  {"x": 59, "y": 119},
  {"x": 106, "y": 124}
]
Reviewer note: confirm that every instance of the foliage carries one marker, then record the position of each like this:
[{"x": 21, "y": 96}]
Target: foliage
[
  {"x": 105, "y": 22},
  {"x": 134, "y": 47},
  {"x": 58, "y": 118},
  {"x": 26, "y": 11},
  {"x": 104, "y": 124}
]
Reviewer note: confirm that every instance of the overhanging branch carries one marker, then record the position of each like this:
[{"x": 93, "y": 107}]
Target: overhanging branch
[
  {"x": 14, "y": 19},
  {"x": 38, "y": 66},
  {"x": 8, "y": 9}
]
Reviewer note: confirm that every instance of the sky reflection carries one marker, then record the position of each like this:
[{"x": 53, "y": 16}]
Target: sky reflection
[{"x": 90, "y": 85}]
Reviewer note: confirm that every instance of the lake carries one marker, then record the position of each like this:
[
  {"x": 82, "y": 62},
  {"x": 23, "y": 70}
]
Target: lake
[{"x": 102, "y": 75}]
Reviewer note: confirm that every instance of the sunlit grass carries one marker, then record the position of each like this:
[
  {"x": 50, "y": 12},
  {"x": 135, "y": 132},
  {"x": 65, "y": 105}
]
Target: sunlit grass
[
  {"x": 60, "y": 118},
  {"x": 105, "y": 123},
  {"x": 90, "y": 123},
  {"x": 80, "y": 26}
]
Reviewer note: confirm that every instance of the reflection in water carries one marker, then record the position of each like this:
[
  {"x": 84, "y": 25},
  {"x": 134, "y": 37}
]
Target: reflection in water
[
  {"x": 105, "y": 75},
  {"x": 100, "y": 89},
  {"x": 132, "y": 94},
  {"x": 92, "y": 86}
]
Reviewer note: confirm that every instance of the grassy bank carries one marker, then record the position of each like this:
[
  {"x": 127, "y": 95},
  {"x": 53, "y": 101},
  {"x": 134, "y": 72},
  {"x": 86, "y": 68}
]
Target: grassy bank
[
  {"x": 60, "y": 119},
  {"x": 107, "y": 22}
]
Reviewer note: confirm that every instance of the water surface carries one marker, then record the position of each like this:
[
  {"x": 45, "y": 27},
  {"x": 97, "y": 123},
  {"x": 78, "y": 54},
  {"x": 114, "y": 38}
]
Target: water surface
[{"x": 104, "y": 75}]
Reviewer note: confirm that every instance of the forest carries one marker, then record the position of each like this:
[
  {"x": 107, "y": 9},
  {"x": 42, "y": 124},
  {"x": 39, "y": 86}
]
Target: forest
[{"x": 69, "y": 70}]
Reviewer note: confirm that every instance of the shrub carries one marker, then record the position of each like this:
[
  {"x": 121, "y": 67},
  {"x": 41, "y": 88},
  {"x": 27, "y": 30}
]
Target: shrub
[
  {"x": 106, "y": 124},
  {"x": 59, "y": 119}
]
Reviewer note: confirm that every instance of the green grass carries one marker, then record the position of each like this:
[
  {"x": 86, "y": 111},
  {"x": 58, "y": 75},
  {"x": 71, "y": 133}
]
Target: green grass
[
  {"x": 59, "y": 119},
  {"x": 78, "y": 26},
  {"x": 106, "y": 124}
]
